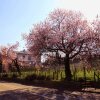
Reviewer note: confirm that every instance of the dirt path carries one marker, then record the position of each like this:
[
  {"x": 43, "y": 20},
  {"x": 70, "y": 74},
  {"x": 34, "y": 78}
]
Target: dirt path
[{"x": 14, "y": 91}]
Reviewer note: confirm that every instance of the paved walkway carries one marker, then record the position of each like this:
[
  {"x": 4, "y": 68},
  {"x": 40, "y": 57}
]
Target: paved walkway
[{"x": 14, "y": 91}]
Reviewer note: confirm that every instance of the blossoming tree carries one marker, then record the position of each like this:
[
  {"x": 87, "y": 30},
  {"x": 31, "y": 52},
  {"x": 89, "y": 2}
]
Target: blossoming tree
[
  {"x": 9, "y": 56},
  {"x": 63, "y": 31}
]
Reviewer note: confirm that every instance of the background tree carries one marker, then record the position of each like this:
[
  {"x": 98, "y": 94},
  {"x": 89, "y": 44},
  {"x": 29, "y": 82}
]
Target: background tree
[
  {"x": 12, "y": 54},
  {"x": 0, "y": 63},
  {"x": 8, "y": 55},
  {"x": 64, "y": 31},
  {"x": 5, "y": 58}
]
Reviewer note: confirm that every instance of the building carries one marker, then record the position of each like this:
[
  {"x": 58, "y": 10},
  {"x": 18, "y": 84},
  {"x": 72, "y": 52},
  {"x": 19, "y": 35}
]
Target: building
[{"x": 25, "y": 58}]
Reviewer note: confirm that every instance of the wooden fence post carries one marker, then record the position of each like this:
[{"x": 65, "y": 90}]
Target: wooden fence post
[
  {"x": 61, "y": 75},
  {"x": 53, "y": 75},
  {"x": 57, "y": 74},
  {"x": 94, "y": 77},
  {"x": 75, "y": 76},
  {"x": 84, "y": 74}
]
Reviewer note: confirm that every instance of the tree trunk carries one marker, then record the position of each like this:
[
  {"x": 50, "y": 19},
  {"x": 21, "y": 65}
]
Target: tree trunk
[
  {"x": 17, "y": 66},
  {"x": 0, "y": 66},
  {"x": 67, "y": 68}
]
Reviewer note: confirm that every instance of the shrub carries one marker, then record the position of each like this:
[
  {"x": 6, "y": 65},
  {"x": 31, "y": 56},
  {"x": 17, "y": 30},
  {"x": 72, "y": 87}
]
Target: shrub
[
  {"x": 48, "y": 78},
  {"x": 5, "y": 76},
  {"x": 42, "y": 77},
  {"x": 81, "y": 79},
  {"x": 31, "y": 77},
  {"x": 14, "y": 76}
]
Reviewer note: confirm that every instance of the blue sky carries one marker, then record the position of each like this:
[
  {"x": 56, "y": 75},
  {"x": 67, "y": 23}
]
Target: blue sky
[{"x": 18, "y": 16}]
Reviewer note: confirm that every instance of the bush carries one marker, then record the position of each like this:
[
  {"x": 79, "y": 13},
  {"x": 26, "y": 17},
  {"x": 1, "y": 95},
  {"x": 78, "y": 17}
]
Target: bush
[
  {"x": 81, "y": 79},
  {"x": 5, "y": 76},
  {"x": 14, "y": 76},
  {"x": 31, "y": 77},
  {"x": 48, "y": 78},
  {"x": 41, "y": 77}
]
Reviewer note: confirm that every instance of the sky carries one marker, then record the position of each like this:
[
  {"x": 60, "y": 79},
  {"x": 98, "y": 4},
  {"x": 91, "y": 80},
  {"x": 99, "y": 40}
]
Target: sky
[{"x": 18, "y": 16}]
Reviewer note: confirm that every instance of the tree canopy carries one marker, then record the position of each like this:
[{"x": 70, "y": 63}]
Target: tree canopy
[{"x": 64, "y": 31}]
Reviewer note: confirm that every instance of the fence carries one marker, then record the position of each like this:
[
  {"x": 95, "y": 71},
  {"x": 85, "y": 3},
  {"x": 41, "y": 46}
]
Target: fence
[{"x": 78, "y": 74}]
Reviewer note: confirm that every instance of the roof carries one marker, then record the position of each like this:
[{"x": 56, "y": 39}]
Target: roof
[{"x": 24, "y": 52}]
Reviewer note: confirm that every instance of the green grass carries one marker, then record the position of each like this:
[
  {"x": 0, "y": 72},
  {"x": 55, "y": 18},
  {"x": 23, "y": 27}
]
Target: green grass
[{"x": 52, "y": 74}]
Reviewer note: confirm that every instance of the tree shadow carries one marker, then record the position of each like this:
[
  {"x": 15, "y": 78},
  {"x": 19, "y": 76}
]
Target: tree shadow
[
  {"x": 19, "y": 95},
  {"x": 38, "y": 93},
  {"x": 50, "y": 90},
  {"x": 59, "y": 85}
]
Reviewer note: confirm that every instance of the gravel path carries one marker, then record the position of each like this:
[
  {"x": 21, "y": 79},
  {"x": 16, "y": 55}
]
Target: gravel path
[{"x": 14, "y": 91}]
